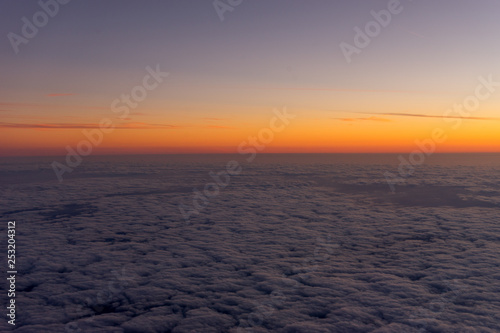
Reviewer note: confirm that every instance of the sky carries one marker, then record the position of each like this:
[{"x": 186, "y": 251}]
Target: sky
[{"x": 232, "y": 64}]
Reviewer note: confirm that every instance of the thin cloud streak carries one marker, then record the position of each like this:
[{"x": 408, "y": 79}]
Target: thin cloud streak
[
  {"x": 59, "y": 95},
  {"x": 217, "y": 127},
  {"x": 427, "y": 116},
  {"x": 126, "y": 126},
  {"x": 36, "y": 105},
  {"x": 351, "y": 90},
  {"x": 88, "y": 126},
  {"x": 364, "y": 119},
  {"x": 414, "y": 33}
]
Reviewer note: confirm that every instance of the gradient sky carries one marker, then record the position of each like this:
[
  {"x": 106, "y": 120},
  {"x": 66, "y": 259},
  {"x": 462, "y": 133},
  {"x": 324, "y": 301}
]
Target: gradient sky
[{"x": 227, "y": 77}]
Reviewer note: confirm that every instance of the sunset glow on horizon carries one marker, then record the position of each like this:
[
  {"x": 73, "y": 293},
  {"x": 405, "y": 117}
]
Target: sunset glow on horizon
[{"x": 226, "y": 78}]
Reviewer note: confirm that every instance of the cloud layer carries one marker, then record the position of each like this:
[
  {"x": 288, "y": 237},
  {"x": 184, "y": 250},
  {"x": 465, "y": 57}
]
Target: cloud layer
[{"x": 284, "y": 248}]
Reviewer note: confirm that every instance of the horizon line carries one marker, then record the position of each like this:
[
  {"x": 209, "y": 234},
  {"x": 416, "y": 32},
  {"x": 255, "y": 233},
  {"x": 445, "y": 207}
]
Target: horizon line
[{"x": 266, "y": 153}]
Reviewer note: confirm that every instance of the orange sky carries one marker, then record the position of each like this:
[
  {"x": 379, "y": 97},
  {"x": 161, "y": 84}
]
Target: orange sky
[
  {"x": 202, "y": 85},
  {"x": 147, "y": 131}
]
